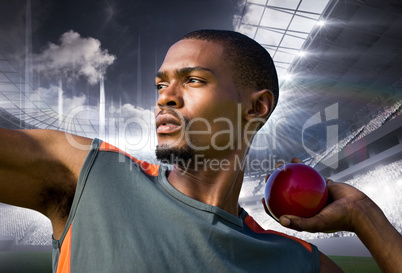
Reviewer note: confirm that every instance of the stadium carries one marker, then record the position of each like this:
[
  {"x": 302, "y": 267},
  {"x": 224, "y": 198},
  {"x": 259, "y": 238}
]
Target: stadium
[{"x": 339, "y": 63}]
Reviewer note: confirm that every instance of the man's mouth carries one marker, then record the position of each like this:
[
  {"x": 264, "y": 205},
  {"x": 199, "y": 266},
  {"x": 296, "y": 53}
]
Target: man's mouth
[
  {"x": 167, "y": 128},
  {"x": 167, "y": 124}
]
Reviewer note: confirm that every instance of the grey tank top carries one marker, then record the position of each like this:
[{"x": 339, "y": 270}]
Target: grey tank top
[{"x": 127, "y": 217}]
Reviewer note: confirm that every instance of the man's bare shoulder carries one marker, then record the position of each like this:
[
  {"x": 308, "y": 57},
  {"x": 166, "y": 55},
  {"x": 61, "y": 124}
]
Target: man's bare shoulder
[{"x": 39, "y": 169}]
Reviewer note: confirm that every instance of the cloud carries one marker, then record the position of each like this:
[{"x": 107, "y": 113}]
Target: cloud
[
  {"x": 50, "y": 96},
  {"x": 128, "y": 111},
  {"x": 236, "y": 21},
  {"x": 135, "y": 130},
  {"x": 75, "y": 56}
]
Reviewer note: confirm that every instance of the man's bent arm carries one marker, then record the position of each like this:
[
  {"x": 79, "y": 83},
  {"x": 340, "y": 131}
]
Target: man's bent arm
[
  {"x": 39, "y": 170},
  {"x": 352, "y": 210},
  {"x": 380, "y": 237}
]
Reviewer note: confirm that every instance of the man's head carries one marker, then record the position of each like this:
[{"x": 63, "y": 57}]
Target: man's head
[
  {"x": 251, "y": 64},
  {"x": 212, "y": 85}
]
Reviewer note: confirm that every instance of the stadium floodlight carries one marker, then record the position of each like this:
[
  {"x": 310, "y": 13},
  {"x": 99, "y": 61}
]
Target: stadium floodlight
[
  {"x": 301, "y": 53},
  {"x": 287, "y": 77},
  {"x": 321, "y": 23}
]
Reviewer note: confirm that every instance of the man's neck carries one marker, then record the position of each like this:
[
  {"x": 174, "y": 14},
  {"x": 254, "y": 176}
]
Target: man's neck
[{"x": 212, "y": 183}]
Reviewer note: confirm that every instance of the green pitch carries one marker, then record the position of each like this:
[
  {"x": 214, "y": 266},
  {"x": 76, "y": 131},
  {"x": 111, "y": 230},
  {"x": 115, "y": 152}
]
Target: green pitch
[
  {"x": 25, "y": 262},
  {"x": 40, "y": 262},
  {"x": 356, "y": 264}
]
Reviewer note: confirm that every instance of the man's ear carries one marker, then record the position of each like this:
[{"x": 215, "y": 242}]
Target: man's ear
[{"x": 260, "y": 105}]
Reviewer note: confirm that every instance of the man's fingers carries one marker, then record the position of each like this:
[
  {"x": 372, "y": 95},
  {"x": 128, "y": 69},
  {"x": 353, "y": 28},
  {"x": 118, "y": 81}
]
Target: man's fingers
[
  {"x": 329, "y": 181},
  {"x": 295, "y": 160},
  {"x": 279, "y": 164},
  {"x": 290, "y": 222},
  {"x": 264, "y": 205},
  {"x": 285, "y": 221},
  {"x": 302, "y": 224},
  {"x": 293, "y": 222},
  {"x": 266, "y": 209}
]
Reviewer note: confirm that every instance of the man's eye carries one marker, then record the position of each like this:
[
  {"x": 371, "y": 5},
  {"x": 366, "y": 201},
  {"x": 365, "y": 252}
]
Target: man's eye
[
  {"x": 160, "y": 86},
  {"x": 194, "y": 80}
]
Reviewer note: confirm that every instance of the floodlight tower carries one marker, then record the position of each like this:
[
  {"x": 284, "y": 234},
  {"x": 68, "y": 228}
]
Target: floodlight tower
[
  {"x": 102, "y": 106},
  {"x": 28, "y": 62}
]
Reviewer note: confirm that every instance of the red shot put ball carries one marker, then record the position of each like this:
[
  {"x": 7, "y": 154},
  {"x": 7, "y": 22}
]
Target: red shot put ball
[{"x": 295, "y": 189}]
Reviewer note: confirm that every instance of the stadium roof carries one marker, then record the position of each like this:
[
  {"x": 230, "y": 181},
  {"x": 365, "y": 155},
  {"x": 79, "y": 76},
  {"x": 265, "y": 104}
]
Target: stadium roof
[{"x": 282, "y": 27}]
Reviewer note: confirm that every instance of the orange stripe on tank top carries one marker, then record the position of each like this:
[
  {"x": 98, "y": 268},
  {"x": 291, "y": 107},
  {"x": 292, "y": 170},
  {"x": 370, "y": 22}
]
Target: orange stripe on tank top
[
  {"x": 251, "y": 223},
  {"x": 64, "y": 264},
  {"x": 150, "y": 169}
]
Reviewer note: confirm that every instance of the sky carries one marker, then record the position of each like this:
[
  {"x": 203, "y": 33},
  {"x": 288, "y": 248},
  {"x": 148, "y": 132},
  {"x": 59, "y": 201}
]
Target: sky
[{"x": 73, "y": 41}]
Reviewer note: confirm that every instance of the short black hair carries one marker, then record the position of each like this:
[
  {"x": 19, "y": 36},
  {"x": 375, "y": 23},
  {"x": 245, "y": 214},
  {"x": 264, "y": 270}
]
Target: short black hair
[{"x": 251, "y": 63}]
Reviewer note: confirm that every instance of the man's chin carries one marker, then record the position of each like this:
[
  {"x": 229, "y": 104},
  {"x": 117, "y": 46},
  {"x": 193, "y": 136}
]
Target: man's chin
[{"x": 174, "y": 155}]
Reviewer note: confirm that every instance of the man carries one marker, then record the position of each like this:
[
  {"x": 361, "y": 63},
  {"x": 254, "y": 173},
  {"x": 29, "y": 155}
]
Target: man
[{"x": 216, "y": 89}]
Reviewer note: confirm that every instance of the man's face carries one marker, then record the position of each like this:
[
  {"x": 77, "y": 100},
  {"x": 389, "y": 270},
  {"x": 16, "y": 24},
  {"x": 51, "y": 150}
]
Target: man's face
[{"x": 197, "y": 108}]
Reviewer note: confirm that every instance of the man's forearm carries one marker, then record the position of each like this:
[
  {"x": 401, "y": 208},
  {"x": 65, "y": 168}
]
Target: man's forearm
[{"x": 379, "y": 236}]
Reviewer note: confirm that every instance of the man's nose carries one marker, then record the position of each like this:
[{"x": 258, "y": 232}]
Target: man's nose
[{"x": 171, "y": 96}]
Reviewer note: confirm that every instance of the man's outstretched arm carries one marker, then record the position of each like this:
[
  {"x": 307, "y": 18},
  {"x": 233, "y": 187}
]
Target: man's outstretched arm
[{"x": 39, "y": 170}]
